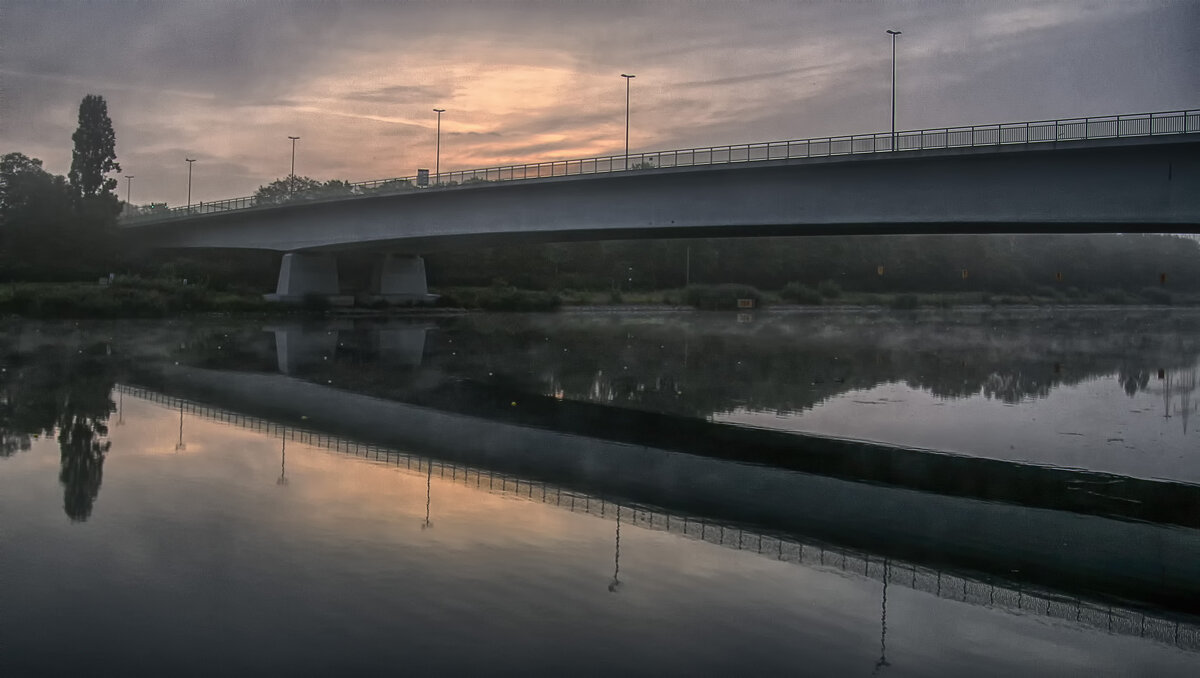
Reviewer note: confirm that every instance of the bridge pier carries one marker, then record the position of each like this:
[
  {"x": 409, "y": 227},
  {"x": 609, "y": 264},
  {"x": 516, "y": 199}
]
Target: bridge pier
[
  {"x": 302, "y": 275},
  {"x": 400, "y": 279}
]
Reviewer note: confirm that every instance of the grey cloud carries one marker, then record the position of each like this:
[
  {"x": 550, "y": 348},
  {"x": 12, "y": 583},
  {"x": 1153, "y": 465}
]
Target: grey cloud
[
  {"x": 179, "y": 74},
  {"x": 403, "y": 94}
]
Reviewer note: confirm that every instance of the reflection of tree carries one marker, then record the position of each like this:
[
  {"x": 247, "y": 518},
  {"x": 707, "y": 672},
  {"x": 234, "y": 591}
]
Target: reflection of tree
[
  {"x": 82, "y": 465},
  {"x": 68, "y": 391},
  {"x": 1133, "y": 380},
  {"x": 695, "y": 366}
]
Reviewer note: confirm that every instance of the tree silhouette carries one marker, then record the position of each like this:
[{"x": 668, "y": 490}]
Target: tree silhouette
[
  {"x": 82, "y": 427},
  {"x": 82, "y": 465},
  {"x": 67, "y": 390},
  {"x": 95, "y": 153}
]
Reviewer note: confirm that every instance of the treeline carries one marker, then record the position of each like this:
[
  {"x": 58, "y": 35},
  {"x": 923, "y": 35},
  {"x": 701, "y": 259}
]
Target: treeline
[
  {"x": 1050, "y": 265},
  {"x": 54, "y": 227}
]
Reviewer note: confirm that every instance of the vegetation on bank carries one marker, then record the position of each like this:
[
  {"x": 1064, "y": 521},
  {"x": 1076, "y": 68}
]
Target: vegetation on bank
[
  {"x": 727, "y": 297},
  {"x": 124, "y": 297}
]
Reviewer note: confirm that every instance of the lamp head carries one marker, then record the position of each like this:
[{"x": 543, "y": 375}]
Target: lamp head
[
  {"x": 625, "y": 75},
  {"x": 891, "y": 32}
]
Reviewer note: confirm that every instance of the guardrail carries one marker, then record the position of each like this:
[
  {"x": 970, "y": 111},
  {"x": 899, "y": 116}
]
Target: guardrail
[{"x": 1004, "y": 134}]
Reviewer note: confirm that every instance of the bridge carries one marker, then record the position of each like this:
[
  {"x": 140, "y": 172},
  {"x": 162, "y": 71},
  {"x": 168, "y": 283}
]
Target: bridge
[{"x": 1127, "y": 173}]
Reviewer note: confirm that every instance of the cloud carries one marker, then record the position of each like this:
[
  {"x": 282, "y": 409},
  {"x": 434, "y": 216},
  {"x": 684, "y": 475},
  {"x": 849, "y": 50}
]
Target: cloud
[{"x": 524, "y": 81}]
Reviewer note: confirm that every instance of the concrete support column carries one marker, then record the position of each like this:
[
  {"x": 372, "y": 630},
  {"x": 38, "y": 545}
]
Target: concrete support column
[
  {"x": 402, "y": 279},
  {"x": 302, "y": 274}
]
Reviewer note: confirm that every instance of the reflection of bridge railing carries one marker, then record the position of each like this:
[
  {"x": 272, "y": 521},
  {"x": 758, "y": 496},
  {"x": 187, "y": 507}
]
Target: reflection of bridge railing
[
  {"x": 1004, "y": 134},
  {"x": 1005, "y": 595}
]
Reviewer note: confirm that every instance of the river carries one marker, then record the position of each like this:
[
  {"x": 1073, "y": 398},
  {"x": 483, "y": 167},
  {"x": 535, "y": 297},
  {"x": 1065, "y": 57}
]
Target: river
[{"x": 994, "y": 491}]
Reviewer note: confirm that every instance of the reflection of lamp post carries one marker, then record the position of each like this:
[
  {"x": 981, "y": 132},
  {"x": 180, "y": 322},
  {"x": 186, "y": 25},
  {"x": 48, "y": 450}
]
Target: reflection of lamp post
[
  {"x": 292, "y": 174},
  {"x": 616, "y": 583},
  {"x": 883, "y": 625},
  {"x": 627, "y": 79},
  {"x": 437, "y": 156},
  {"x": 893, "y": 34},
  {"x": 180, "y": 446},
  {"x": 189, "y": 161},
  {"x": 283, "y": 462},
  {"x": 428, "y": 484}
]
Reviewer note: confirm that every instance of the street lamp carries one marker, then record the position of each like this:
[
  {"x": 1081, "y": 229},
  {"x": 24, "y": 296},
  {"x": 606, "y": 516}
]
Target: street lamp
[
  {"x": 437, "y": 160},
  {"x": 189, "y": 161},
  {"x": 893, "y": 34},
  {"x": 128, "y": 187},
  {"x": 292, "y": 176},
  {"x": 627, "y": 79}
]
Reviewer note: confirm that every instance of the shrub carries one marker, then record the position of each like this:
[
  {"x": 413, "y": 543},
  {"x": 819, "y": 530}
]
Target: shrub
[
  {"x": 1157, "y": 295},
  {"x": 1115, "y": 296},
  {"x": 905, "y": 302},
  {"x": 829, "y": 289},
  {"x": 720, "y": 297},
  {"x": 497, "y": 298},
  {"x": 513, "y": 299},
  {"x": 800, "y": 294}
]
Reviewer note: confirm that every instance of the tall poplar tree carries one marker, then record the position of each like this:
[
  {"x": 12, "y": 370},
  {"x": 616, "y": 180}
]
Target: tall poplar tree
[{"x": 95, "y": 153}]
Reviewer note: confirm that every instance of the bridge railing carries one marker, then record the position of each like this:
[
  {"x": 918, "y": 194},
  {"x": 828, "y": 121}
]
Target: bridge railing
[{"x": 1034, "y": 132}]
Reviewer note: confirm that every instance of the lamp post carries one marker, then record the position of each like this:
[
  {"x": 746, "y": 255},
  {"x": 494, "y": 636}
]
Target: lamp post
[
  {"x": 627, "y": 79},
  {"x": 893, "y": 34},
  {"x": 189, "y": 161},
  {"x": 292, "y": 175},
  {"x": 437, "y": 159},
  {"x": 128, "y": 188}
]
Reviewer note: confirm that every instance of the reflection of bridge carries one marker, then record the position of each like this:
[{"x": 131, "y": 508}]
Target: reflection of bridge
[
  {"x": 953, "y": 585},
  {"x": 1123, "y": 173}
]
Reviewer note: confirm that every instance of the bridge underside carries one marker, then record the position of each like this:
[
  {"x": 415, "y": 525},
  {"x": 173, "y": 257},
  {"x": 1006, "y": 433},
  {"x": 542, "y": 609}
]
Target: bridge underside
[{"x": 1147, "y": 184}]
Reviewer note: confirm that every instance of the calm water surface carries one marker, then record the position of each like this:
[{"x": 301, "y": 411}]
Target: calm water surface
[{"x": 603, "y": 493}]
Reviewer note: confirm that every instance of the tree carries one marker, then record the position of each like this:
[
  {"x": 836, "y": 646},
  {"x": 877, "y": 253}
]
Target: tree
[
  {"x": 35, "y": 212},
  {"x": 301, "y": 188},
  {"x": 24, "y": 187},
  {"x": 95, "y": 153}
]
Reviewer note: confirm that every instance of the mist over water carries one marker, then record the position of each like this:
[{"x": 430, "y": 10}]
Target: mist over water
[{"x": 599, "y": 493}]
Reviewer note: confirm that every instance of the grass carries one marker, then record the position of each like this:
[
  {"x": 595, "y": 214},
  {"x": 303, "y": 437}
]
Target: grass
[{"x": 125, "y": 297}]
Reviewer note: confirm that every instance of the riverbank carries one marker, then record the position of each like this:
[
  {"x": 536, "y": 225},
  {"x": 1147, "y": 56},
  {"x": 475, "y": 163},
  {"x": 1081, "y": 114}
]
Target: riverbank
[
  {"x": 133, "y": 297},
  {"x": 126, "y": 297}
]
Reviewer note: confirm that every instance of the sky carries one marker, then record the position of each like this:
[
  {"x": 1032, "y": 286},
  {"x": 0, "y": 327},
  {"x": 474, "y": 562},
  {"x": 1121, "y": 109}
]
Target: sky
[{"x": 521, "y": 81}]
